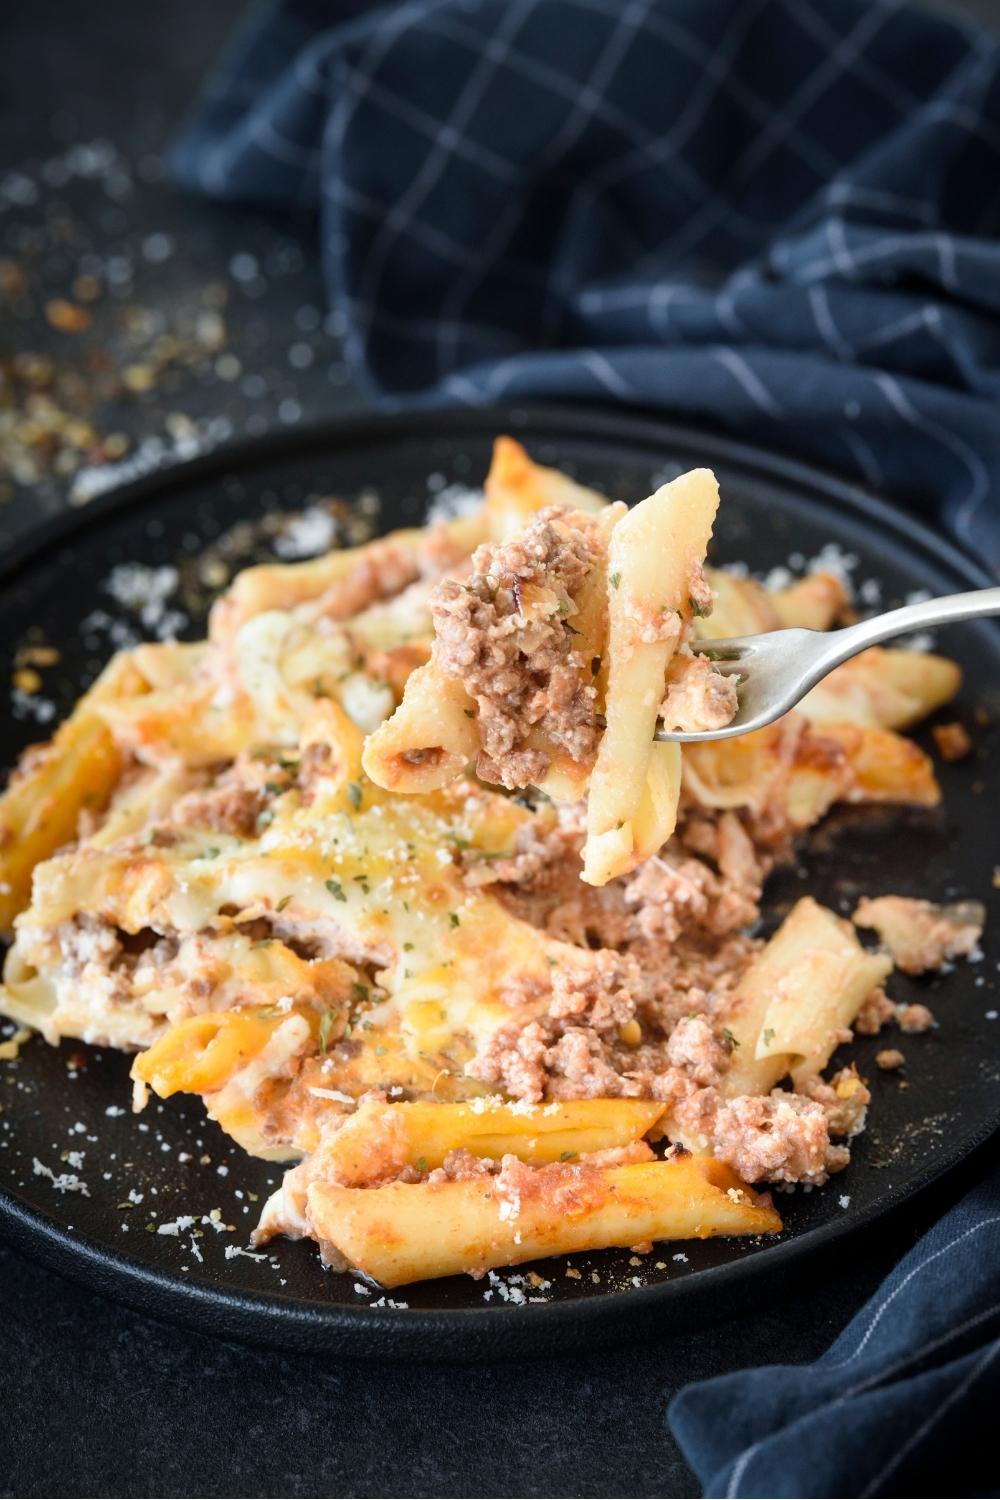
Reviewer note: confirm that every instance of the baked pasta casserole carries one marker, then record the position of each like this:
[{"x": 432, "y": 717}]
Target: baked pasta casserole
[{"x": 390, "y": 872}]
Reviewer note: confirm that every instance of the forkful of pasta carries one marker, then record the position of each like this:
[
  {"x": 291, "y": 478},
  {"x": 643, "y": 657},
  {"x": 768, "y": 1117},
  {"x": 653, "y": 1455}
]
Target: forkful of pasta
[
  {"x": 774, "y": 671},
  {"x": 574, "y": 654}
]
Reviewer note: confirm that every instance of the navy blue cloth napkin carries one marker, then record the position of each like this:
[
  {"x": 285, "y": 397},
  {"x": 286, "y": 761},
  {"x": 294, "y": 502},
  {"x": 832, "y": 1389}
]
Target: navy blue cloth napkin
[
  {"x": 781, "y": 216},
  {"x": 904, "y": 1403}
]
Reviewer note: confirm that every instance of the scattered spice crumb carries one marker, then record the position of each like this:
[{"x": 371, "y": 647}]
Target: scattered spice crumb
[
  {"x": 914, "y": 1018},
  {"x": 27, "y": 680},
  {"x": 10, "y": 1048},
  {"x": 67, "y": 316},
  {"x": 952, "y": 740}
]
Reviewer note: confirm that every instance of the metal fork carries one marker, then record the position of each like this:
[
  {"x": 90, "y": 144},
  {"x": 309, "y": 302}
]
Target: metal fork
[{"x": 776, "y": 670}]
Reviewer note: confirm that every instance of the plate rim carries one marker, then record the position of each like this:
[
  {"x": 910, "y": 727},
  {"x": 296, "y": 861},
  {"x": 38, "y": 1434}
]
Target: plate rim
[
  {"x": 592, "y": 420},
  {"x": 493, "y": 1331}
]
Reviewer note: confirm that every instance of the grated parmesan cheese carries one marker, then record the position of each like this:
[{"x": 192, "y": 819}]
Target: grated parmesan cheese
[
  {"x": 312, "y": 531},
  {"x": 65, "y": 1182},
  {"x": 452, "y": 502}
]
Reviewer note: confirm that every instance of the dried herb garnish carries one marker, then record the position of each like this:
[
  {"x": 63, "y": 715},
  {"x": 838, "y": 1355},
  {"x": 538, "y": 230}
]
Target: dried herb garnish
[{"x": 326, "y": 1021}]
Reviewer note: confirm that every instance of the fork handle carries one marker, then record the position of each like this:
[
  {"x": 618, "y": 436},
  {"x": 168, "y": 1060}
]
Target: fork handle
[{"x": 923, "y": 616}]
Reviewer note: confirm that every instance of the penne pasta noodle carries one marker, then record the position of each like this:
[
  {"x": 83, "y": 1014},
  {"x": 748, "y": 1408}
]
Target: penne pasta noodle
[
  {"x": 76, "y": 771},
  {"x": 652, "y": 556},
  {"x": 742, "y": 607},
  {"x": 794, "y": 1004},
  {"x": 382, "y": 1139},
  {"x": 804, "y": 770},
  {"x": 517, "y": 488},
  {"x": 429, "y": 740},
  {"x": 811, "y": 603},
  {"x": 884, "y": 767},
  {"x": 282, "y": 586},
  {"x": 407, "y": 1232},
  {"x": 883, "y": 689}
]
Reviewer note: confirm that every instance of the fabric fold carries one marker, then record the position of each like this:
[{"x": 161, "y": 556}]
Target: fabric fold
[
  {"x": 774, "y": 215},
  {"x": 904, "y": 1394}
]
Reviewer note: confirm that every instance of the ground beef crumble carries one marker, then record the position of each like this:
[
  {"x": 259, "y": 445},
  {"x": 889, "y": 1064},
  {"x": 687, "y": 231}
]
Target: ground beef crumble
[
  {"x": 952, "y": 740},
  {"x": 565, "y": 1188},
  {"x": 698, "y": 696},
  {"x": 844, "y": 1098},
  {"x": 641, "y": 1013},
  {"x": 695, "y": 1047},
  {"x": 232, "y": 804},
  {"x": 700, "y": 596},
  {"x": 461, "y": 1165},
  {"x": 920, "y": 935},
  {"x": 914, "y": 1018},
  {"x": 381, "y": 570},
  {"x": 875, "y": 1012},
  {"x": 776, "y": 1137},
  {"x": 506, "y": 634},
  {"x": 653, "y": 950},
  {"x": 568, "y": 1052}
]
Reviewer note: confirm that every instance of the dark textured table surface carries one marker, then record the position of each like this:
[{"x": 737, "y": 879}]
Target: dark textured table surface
[{"x": 216, "y": 317}]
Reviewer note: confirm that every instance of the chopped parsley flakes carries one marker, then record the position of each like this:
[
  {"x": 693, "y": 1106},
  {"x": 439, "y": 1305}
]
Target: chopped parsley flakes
[{"x": 325, "y": 1027}]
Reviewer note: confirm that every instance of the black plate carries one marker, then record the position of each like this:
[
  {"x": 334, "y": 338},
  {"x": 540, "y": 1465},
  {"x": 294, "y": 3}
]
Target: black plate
[{"x": 57, "y": 1100}]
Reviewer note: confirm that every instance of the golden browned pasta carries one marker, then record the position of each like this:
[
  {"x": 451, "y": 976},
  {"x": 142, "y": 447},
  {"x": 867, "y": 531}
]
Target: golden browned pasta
[
  {"x": 380, "y": 1140},
  {"x": 517, "y": 488},
  {"x": 742, "y": 607},
  {"x": 413, "y": 1232},
  {"x": 57, "y": 782},
  {"x": 883, "y": 689},
  {"x": 812, "y": 603}
]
